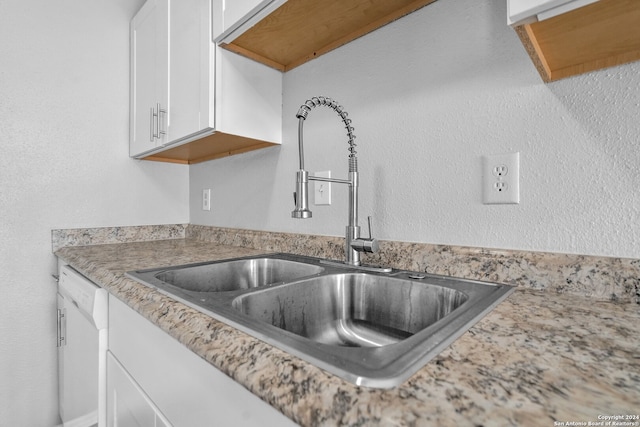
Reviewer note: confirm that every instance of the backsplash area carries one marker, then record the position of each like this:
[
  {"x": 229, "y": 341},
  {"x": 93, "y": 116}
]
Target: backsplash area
[
  {"x": 105, "y": 235},
  {"x": 604, "y": 278}
]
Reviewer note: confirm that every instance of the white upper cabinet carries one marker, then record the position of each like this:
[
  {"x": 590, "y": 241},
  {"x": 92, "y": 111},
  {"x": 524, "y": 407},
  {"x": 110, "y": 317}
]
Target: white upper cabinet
[
  {"x": 527, "y": 11},
  {"x": 149, "y": 74},
  {"x": 190, "y": 102}
]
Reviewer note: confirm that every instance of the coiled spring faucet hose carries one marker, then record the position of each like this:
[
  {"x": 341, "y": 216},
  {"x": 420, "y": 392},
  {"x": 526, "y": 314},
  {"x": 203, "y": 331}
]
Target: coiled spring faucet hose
[{"x": 302, "y": 114}]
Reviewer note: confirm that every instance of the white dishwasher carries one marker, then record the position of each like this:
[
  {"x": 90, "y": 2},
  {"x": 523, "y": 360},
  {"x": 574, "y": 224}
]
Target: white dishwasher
[{"x": 82, "y": 348}]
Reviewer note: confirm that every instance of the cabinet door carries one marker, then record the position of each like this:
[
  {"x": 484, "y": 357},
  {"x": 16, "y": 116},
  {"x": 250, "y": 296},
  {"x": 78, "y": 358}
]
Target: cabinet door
[
  {"x": 149, "y": 76},
  {"x": 191, "y": 69},
  {"x": 127, "y": 403}
]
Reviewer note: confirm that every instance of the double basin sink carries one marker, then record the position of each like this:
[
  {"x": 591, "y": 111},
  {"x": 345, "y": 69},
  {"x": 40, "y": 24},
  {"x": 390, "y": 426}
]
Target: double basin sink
[{"x": 371, "y": 328}]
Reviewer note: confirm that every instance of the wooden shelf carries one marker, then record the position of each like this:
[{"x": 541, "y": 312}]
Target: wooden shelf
[
  {"x": 301, "y": 30},
  {"x": 211, "y": 147},
  {"x": 603, "y": 34}
]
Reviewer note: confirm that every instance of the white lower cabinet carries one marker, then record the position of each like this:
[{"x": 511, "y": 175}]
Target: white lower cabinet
[
  {"x": 153, "y": 380},
  {"x": 128, "y": 405}
]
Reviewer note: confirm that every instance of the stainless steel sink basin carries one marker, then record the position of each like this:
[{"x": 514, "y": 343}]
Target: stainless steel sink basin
[
  {"x": 352, "y": 309},
  {"x": 374, "y": 329},
  {"x": 232, "y": 275}
]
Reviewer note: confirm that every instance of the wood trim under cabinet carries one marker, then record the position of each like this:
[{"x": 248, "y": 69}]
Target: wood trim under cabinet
[
  {"x": 301, "y": 30},
  {"x": 214, "y": 146},
  {"x": 600, "y": 35}
]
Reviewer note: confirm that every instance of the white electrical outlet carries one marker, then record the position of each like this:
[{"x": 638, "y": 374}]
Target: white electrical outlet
[
  {"x": 322, "y": 190},
  {"x": 501, "y": 179},
  {"x": 206, "y": 199}
]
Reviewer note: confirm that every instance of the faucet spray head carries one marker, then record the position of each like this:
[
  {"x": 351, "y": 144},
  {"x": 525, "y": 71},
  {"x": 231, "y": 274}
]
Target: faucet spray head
[{"x": 301, "y": 196}]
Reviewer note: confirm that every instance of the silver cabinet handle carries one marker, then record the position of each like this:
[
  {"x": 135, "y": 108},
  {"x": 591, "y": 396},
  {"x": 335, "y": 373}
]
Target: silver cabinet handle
[
  {"x": 152, "y": 135},
  {"x": 156, "y": 132},
  {"x": 162, "y": 114},
  {"x": 157, "y": 122},
  {"x": 62, "y": 328}
]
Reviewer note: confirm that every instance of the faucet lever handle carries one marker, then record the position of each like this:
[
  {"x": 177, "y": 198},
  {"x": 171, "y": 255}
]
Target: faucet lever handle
[{"x": 369, "y": 245}]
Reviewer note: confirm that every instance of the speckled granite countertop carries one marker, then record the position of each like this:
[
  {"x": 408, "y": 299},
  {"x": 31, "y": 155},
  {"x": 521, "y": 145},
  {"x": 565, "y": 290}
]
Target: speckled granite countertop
[{"x": 538, "y": 358}]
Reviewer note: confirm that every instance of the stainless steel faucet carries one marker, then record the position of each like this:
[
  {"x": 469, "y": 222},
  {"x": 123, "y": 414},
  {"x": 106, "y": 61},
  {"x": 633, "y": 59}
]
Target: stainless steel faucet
[{"x": 354, "y": 244}]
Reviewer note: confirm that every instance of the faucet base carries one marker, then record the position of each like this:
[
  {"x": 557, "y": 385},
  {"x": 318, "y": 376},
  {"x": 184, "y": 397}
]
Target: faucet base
[{"x": 371, "y": 268}]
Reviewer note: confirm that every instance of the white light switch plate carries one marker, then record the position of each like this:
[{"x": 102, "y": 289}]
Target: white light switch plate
[
  {"x": 322, "y": 190},
  {"x": 501, "y": 179}
]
